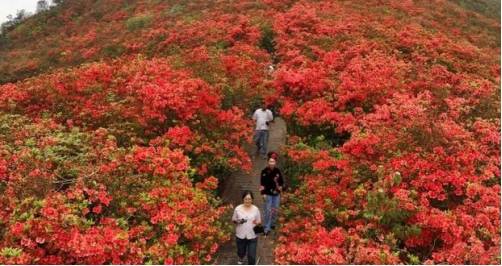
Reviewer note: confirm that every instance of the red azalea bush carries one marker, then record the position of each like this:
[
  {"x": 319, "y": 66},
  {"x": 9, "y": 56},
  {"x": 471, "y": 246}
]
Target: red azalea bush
[
  {"x": 121, "y": 158},
  {"x": 73, "y": 197},
  {"x": 228, "y": 56},
  {"x": 393, "y": 160},
  {"x": 114, "y": 155},
  {"x": 138, "y": 101},
  {"x": 179, "y": 117}
]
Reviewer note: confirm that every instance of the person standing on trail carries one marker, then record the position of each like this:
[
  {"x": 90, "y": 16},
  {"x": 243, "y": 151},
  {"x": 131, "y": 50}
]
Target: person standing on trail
[
  {"x": 262, "y": 116},
  {"x": 246, "y": 216},
  {"x": 271, "y": 186}
]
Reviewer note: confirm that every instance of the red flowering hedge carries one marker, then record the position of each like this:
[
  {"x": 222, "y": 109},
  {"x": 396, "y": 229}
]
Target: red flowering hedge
[
  {"x": 74, "y": 197},
  {"x": 188, "y": 103},
  {"x": 219, "y": 43},
  {"x": 100, "y": 164},
  {"x": 393, "y": 108},
  {"x": 139, "y": 101},
  {"x": 396, "y": 157}
]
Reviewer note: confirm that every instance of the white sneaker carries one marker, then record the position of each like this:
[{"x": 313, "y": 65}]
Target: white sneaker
[{"x": 240, "y": 262}]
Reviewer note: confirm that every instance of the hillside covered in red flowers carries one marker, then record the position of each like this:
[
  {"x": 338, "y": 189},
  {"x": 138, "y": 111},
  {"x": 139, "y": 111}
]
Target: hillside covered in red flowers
[{"x": 120, "y": 118}]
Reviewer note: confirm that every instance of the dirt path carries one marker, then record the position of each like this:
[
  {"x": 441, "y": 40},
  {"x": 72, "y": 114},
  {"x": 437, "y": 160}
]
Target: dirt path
[{"x": 244, "y": 181}]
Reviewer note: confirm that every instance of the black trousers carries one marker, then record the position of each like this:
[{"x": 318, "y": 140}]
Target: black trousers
[{"x": 248, "y": 245}]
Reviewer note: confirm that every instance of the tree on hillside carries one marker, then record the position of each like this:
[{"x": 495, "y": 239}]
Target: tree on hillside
[
  {"x": 14, "y": 20},
  {"x": 42, "y": 5}
]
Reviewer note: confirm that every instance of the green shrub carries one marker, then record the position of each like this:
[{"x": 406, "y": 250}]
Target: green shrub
[
  {"x": 113, "y": 50},
  {"x": 138, "y": 22},
  {"x": 267, "y": 41}
]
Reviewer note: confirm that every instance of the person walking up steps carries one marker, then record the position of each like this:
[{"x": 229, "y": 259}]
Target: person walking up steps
[
  {"x": 262, "y": 117},
  {"x": 246, "y": 216},
  {"x": 271, "y": 185}
]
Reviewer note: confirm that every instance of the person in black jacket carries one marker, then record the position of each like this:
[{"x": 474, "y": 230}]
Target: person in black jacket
[{"x": 272, "y": 183}]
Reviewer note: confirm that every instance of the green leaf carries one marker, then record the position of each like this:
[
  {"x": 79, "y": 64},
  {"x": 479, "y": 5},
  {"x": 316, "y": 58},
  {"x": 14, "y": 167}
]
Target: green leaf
[
  {"x": 11, "y": 252},
  {"x": 414, "y": 260}
]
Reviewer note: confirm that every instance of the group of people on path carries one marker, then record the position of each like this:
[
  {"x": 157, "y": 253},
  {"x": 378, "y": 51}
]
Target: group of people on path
[{"x": 247, "y": 216}]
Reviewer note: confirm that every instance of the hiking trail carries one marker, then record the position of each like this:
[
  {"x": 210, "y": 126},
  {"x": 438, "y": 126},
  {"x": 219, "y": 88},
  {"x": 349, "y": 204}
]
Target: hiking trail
[{"x": 241, "y": 181}]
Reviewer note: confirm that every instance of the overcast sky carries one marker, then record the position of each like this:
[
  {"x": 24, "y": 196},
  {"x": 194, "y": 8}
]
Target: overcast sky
[{"x": 12, "y": 6}]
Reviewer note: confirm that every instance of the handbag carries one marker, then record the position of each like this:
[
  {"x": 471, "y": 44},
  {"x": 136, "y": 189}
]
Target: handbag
[{"x": 259, "y": 229}]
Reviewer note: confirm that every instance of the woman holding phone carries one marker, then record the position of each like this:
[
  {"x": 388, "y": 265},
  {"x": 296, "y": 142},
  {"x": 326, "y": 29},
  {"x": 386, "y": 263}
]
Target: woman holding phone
[{"x": 246, "y": 216}]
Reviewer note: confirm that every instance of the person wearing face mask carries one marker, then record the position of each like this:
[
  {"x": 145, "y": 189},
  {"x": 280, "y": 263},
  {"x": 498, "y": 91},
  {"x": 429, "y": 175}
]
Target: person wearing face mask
[
  {"x": 246, "y": 216},
  {"x": 271, "y": 186}
]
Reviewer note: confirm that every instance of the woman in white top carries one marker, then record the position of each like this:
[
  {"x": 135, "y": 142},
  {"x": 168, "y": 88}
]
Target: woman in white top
[{"x": 246, "y": 216}]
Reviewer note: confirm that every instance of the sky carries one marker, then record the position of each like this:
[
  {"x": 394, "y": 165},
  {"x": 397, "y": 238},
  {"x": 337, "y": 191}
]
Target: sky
[{"x": 12, "y": 6}]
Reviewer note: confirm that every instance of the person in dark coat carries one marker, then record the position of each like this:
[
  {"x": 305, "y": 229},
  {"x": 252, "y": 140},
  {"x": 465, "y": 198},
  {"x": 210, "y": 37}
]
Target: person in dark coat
[{"x": 271, "y": 186}]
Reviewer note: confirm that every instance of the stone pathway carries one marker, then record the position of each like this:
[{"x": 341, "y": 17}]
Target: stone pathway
[{"x": 251, "y": 181}]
